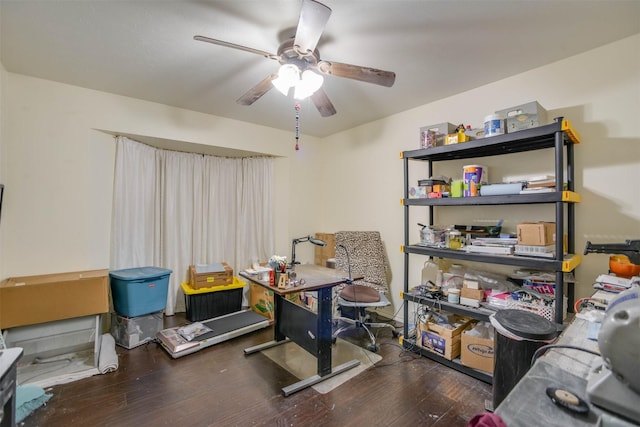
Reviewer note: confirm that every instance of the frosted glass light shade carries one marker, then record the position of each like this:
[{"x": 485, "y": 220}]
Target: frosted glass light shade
[
  {"x": 308, "y": 84},
  {"x": 288, "y": 75}
]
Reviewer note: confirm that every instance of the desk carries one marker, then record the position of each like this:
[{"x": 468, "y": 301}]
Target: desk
[
  {"x": 8, "y": 361},
  {"x": 311, "y": 331},
  {"x": 528, "y": 405}
]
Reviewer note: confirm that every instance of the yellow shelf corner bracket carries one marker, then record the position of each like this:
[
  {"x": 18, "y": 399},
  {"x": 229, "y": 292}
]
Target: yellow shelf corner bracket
[
  {"x": 570, "y": 196},
  {"x": 570, "y": 264},
  {"x": 571, "y": 131}
]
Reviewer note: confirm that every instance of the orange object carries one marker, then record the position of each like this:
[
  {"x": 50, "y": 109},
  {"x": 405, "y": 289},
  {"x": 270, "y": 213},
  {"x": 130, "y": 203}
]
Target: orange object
[{"x": 622, "y": 267}]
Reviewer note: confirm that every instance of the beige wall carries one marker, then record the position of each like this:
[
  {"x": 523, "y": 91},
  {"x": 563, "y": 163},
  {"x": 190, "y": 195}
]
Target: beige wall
[
  {"x": 601, "y": 99},
  {"x": 58, "y": 168}
]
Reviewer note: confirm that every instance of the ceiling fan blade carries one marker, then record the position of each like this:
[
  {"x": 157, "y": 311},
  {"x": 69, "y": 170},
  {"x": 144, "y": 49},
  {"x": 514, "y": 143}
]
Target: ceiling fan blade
[
  {"x": 237, "y": 46},
  {"x": 253, "y": 94},
  {"x": 313, "y": 18},
  {"x": 355, "y": 72},
  {"x": 322, "y": 103}
]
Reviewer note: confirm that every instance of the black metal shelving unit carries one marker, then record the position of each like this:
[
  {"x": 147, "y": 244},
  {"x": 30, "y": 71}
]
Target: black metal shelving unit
[{"x": 559, "y": 136}]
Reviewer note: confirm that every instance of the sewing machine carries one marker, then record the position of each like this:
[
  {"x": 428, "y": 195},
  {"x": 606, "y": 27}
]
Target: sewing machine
[{"x": 614, "y": 385}]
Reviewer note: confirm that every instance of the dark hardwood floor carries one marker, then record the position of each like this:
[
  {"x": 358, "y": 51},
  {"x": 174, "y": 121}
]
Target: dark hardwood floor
[{"x": 219, "y": 386}]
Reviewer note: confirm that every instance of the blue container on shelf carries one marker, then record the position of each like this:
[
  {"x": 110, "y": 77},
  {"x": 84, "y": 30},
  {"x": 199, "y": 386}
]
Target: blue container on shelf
[{"x": 139, "y": 291}]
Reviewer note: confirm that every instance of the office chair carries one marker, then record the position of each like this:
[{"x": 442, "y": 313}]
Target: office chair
[{"x": 360, "y": 253}]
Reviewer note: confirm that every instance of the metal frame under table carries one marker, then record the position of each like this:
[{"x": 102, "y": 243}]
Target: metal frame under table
[{"x": 310, "y": 330}]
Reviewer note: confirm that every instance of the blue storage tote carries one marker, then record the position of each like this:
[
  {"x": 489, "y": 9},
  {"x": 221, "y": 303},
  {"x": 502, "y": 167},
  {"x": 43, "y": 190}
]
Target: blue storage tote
[{"x": 138, "y": 291}]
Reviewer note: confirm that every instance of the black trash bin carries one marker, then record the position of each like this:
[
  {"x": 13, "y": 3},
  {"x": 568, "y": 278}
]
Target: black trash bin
[{"x": 520, "y": 334}]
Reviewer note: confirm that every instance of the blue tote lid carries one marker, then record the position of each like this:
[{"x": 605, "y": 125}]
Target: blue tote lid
[{"x": 139, "y": 273}]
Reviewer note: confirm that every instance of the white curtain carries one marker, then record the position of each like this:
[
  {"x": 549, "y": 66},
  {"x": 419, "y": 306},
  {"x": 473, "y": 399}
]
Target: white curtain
[
  {"x": 174, "y": 209},
  {"x": 134, "y": 228}
]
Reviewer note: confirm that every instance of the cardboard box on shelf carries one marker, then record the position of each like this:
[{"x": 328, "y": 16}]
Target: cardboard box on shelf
[
  {"x": 442, "y": 340},
  {"x": 30, "y": 300},
  {"x": 477, "y": 352},
  {"x": 536, "y": 233},
  {"x": 476, "y": 294}
]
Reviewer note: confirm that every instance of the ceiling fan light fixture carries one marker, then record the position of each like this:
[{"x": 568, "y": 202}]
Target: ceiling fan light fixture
[
  {"x": 288, "y": 76},
  {"x": 307, "y": 85}
]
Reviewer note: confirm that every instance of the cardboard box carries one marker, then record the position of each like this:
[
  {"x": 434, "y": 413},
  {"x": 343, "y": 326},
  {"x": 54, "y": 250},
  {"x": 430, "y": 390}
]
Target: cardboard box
[
  {"x": 475, "y": 294},
  {"x": 216, "y": 274},
  {"x": 441, "y": 340},
  {"x": 536, "y": 233},
  {"x": 130, "y": 332},
  {"x": 30, "y": 300},
  {"x": 326, "y": 252},
  {"x": 476, "y": 352},
  {"x": 261, "y": 300},
  {"x": 435, "y": 135},
  {"x": 525, "y": 116}
]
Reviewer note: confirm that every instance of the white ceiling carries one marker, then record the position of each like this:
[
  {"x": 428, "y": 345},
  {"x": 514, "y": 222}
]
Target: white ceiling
[{"x": 145, "y": 49}]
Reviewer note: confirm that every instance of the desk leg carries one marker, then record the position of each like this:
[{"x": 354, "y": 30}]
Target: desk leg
[
  {"x": 324, "y": 347},
  {"x": 308, "y": 382},
  {"x": 278, "y": 307},
  {"x": 321, "y": 344},
  {"x": 264, "y": 346},
  {"x": 278, "y": 337},
  {"x": 324, "y": 331}
]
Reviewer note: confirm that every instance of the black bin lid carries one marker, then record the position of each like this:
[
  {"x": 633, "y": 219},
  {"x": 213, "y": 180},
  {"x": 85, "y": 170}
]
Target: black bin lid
[{"x": 526, "y": 325}]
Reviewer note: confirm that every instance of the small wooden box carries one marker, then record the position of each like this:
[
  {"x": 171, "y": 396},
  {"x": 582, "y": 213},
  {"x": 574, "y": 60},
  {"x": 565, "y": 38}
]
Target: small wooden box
[
  {"x": 323, "y": 253},
  {"x": 223, "y": 276}
]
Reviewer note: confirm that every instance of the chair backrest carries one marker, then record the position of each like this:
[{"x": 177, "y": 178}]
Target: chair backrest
[{"x": 366, "y": 256}]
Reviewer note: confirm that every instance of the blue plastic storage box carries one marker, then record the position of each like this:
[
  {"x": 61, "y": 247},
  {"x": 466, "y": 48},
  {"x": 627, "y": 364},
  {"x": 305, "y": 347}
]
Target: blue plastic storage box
[{"x": 138, "y": 291}]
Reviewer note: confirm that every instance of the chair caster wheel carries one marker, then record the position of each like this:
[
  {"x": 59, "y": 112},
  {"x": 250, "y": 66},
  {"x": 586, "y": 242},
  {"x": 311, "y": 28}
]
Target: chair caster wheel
[{"x": 372, "y": 348}]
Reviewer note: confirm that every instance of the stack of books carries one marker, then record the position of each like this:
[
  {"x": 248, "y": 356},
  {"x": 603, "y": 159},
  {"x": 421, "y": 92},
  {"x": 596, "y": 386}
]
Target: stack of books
[
  {"x": 492, "y": 245},
  {"x": 534, "y": 183}
]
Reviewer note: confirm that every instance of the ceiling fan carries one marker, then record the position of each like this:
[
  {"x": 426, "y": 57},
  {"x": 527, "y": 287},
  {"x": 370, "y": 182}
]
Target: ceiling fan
[{"x": 301, "y": 52}]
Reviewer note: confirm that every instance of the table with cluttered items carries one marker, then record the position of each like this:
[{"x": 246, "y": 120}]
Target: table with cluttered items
[
  {"x": 8, "y": 368},
  {"x": 591, "y": 374},
  {"x": 311, "y": 329}
]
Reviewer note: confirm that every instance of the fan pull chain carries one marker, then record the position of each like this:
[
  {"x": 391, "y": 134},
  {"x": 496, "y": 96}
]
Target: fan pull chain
[{"x": 297, "y": 107}]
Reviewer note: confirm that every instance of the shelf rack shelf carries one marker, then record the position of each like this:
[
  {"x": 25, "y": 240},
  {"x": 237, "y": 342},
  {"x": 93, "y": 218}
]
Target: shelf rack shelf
[{"x": 559, "y": 136}]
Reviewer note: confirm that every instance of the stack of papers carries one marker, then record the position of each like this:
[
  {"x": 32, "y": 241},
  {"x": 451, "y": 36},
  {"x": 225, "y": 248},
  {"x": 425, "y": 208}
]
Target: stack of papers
[
  {"x": 216, "y": 267},
  {"x": 194, "y": 330},
  {"x": 492, "y": 245}
]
